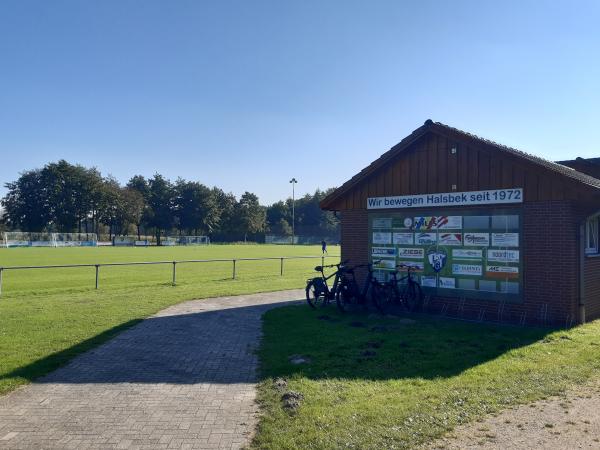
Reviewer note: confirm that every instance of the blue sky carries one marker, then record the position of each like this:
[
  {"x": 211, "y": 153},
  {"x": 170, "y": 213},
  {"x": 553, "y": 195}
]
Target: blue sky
[{"x": 247, "y": 94}]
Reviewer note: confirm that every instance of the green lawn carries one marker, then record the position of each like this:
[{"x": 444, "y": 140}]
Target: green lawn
[
  {"x": 48, "y": 316},
  {"x": 379, "y": 383}
]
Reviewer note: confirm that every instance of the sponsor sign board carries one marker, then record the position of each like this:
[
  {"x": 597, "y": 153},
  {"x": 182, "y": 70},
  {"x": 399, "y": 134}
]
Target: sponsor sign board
[
  {"x": 437, "y": 258},
  {"x": 502, "y": 255},
  {"x": 387, "y": 264},
  {"x": 505, "y": 239},
  {"x": 437, "y": 223},
  {"x": 382, "y": 223},
  {"x": 488, "y": 197},
  {"x": 383, "y": 252},
  {"x": 382, "y": 238},
  {"x": 466, "y": 253},
  {"x": 466, "y": 269},
  {"x": 477, "y": 239},
  {"x": 410, "y": 252},
  {"x": 447, "y": 283},
  {"x": 502, "y": 271},
  {"x": 403, "y": 238},
  {"x": 428, "y": 281},
  {"x": 450, "y": 239},
  {"x": 425, "y": 238},
  {"x": 416, "y": 265}
]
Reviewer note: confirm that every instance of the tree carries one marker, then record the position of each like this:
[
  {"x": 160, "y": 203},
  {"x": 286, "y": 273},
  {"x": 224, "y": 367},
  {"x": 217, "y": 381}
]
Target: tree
[
  {"x": 194, "y": 207},
  {"x": 279, "y": 219},
  {"x": 161, "y": 196},
  {"x": 250, "y": 215},
  {"x": 134, "y": 207},
  {"x": 26, "y": 204}
]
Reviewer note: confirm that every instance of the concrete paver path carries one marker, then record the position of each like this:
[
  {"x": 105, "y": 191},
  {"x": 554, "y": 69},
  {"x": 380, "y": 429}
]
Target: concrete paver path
[{"x": 184, "y": 378}]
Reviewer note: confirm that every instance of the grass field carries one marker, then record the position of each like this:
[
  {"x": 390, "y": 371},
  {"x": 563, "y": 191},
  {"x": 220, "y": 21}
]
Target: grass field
[
  {"x": 48, "y": 316},
  {"x": 375, "y": 383}
]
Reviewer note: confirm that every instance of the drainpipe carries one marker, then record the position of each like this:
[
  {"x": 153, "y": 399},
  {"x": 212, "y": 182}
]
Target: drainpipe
[{"x": 581, "y": 272}]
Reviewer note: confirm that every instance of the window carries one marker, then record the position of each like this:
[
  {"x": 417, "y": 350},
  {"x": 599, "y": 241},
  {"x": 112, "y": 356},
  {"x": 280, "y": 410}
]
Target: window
[{"x": 591, "y": 235}]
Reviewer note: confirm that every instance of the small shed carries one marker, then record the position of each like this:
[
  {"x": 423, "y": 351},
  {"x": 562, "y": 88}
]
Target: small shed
[{"x": 493, "y": 233}]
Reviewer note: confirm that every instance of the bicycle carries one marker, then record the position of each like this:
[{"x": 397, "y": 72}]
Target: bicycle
[
  {"x": 349, "y": 294},
  {"x": 405, "y": 292},
  {"x": 317, "y": 289}
]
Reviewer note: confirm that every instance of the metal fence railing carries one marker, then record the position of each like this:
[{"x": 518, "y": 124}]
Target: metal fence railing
[{"x": 97, "y": 267}]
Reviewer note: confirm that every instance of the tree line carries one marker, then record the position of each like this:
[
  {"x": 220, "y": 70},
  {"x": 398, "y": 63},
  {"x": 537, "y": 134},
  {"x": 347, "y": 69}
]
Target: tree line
[{"x": 63, "y": 197}]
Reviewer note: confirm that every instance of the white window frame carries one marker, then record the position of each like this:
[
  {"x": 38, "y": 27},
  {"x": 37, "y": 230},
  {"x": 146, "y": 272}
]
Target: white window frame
[{"x": 592, "y": 232}]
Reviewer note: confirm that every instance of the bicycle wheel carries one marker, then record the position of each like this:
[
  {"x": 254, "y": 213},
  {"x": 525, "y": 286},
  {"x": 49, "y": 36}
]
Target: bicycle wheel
[
  {"x": 315, "y": 295},
  {"x": 345, "y": 296},
  {"x": 382, "y": 297},
  {"x": 412, "y": 296}
]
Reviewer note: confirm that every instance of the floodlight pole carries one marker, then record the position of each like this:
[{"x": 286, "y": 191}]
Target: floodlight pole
[{"x": 293, "y": 181}]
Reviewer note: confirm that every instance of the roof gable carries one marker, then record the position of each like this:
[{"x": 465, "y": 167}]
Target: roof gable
[{"x": 461, "y": 137}]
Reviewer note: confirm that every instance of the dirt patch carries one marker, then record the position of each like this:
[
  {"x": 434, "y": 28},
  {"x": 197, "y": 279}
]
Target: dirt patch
[{"x": 569, "y": 421}]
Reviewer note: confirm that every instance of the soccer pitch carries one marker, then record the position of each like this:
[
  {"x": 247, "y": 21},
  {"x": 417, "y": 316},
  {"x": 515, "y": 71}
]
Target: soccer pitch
[{"x": 47, "y": 316}]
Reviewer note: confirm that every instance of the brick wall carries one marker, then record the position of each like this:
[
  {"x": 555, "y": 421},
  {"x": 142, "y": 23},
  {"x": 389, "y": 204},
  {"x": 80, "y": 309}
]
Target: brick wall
[
  {"x": 549, "y": 243},
  {"x": 592, "y": 287}
]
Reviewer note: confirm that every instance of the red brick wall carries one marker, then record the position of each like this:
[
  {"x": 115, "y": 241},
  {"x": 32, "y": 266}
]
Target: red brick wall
[
  {"x": 549, "y": 243},
  {"x": 592, "y": 287}
]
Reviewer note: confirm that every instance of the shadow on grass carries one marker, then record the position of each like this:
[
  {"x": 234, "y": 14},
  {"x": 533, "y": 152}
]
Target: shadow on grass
[
  {"x": 219, "y": 346},
  {"x": 371, "y": 347}
]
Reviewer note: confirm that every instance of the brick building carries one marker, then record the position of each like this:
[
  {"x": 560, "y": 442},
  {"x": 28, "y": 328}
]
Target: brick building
[{"x": 493, "y": 233}]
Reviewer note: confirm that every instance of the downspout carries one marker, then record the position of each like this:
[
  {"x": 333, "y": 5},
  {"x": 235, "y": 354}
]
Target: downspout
[{"x": 582, "y": 272}]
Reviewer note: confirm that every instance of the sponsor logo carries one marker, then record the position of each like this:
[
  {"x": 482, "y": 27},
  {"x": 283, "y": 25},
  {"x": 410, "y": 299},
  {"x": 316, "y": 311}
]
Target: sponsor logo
[
  {"x": 382, "y": 238},
  {"x": 425, "y": 238},
  {"x": 428, "y": 281},
  {"x": 382, "y": 223},
  {"x": 438, "y": 222},
  {"x": 408, "y": 222},
  {"x": 447, "y": 283},
  {"x": 502, "y": 271},
  {"x": 450, "y": 239},
  {"x": 437, "y": 258},
  {"x": 403, "y": 238},
  {"x": 416, "y": 265},
  {"x": 466, "y": 269},
  {"x": 464, "y": 253},
  {"x": 416, "y": 253},
  {"x": 384, "y": 252},
  {"x": 503, "y": 255},
  {"x": 479, "y": 239},
  {"x": 385, "y": 264},
  {"x": 505, "y": 239}
]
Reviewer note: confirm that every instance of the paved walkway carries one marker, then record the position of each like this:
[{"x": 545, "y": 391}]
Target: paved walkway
[{"x": 184, "y": 378}]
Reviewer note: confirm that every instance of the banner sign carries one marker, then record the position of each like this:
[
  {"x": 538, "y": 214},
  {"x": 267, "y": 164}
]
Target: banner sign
[
  {"x": 425, "y": 238},
  {"x": 466, "y": 269},
  {"x": 382, "y": 238},
  {"x": 415, "y": 253},
  {"x": 450, "y": 239},
  {"x": 478, "y": 239},
  {"x": 438, "y": 222},
  {"x": 489, "y": 197},
  {"x": 465, "y": 253},
  {"x": 503, "y": 255},
  {"x": 383, "y": 252},
  {"x": 505, "y": 239},
  {"x": 403, "y": 238}
]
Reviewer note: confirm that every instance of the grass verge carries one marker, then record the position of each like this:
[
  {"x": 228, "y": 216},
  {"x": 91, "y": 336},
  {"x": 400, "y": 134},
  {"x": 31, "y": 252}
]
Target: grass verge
[
  {"x": 377, "y": 382},
  {"x": 49, "y": 316}
]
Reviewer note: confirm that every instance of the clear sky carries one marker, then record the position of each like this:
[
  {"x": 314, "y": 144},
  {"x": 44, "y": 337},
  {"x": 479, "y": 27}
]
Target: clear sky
[{"x": 247, "y": 94}]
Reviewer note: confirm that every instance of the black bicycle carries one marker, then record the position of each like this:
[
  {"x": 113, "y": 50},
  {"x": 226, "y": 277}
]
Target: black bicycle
[
  {"x": 349, "y": 294},
  {"x": 404, "y": 292},
  {"x": 318, "y": 292}
]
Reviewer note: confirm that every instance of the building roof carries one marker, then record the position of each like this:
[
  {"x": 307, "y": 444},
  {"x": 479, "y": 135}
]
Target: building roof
[{"x": 455, "y": 133}]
